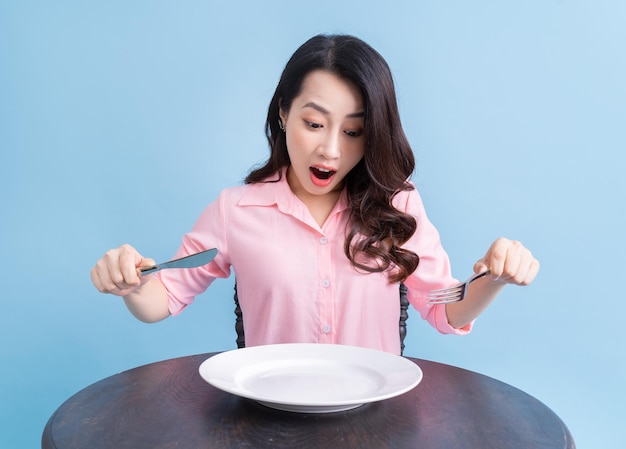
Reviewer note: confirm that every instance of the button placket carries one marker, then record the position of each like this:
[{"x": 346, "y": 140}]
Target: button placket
[{"x": 326, "y": 291}]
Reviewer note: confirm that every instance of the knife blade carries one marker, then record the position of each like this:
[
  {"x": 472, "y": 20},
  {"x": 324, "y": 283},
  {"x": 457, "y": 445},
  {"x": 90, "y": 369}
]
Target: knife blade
[{"x": 191, "y": 261}]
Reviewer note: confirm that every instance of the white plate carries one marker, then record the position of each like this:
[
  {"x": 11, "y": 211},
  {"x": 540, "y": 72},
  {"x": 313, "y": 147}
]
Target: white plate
[{"x": 309, "y": 377}]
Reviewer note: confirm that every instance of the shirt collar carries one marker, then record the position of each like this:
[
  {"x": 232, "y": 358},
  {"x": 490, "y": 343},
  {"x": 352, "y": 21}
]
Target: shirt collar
[{"x": 272, "y": 192}]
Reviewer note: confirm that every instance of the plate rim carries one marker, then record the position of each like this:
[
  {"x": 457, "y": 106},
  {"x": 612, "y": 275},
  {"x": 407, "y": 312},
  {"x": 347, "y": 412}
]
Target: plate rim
[{"x": 283, "y": 348}]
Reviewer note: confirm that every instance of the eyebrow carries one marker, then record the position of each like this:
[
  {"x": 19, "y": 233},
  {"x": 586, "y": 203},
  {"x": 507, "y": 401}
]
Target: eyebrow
[{"x": 324, "y": 111}]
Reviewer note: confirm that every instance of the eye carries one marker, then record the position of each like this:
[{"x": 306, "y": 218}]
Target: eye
[
  {"x": 313, "y": 125},
  {"x": 353, "y": 133}
]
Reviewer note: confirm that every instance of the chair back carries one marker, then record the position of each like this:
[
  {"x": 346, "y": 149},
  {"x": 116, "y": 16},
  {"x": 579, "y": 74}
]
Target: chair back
[{"x": 404, "y": 316}]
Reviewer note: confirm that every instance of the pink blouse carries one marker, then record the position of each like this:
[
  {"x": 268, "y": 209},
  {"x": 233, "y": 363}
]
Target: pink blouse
[{"x": 294, "y": 282}]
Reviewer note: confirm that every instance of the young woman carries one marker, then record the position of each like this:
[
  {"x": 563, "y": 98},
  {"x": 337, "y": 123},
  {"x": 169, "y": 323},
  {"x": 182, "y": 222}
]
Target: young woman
[{"x": 321, "y": 235}]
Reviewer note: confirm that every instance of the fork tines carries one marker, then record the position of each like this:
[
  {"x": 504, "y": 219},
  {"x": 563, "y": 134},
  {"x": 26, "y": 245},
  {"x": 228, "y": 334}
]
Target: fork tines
[
  {"x": 454, "y": 293},
  {"x": 446, "y": 294}
]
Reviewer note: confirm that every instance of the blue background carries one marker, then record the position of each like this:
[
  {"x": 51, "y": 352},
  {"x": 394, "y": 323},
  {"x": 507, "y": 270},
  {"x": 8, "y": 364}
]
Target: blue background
[{"x": 120, "y": 121}]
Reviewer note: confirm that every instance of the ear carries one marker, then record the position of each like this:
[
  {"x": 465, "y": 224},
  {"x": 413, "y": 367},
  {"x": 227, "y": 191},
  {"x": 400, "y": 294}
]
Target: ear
[{"x": 282, "y": 115}]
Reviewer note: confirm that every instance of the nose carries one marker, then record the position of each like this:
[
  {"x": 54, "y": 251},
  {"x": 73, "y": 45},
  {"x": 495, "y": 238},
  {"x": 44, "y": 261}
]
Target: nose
[{"x": 329, "y": 148}]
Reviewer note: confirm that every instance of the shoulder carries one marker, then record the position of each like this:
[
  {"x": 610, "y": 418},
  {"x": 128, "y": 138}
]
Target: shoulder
[
  {"x": 226, "y": 198},
  {"x": 409, "y": 201},
  {"x": 269, "y": 192},
  {"x": 235, "y": 193},
  {"x": 227, "y": 206}
]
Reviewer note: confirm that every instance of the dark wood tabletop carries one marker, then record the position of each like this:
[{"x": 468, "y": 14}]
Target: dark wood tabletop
[{"x": 168, "y": 405}]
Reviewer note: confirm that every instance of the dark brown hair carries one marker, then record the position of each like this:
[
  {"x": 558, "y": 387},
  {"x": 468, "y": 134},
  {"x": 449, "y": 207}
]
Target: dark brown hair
[{"x": 377, "y": 230}]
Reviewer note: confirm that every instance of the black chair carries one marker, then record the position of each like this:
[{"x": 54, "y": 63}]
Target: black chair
[{"x": 404, "y": 316}]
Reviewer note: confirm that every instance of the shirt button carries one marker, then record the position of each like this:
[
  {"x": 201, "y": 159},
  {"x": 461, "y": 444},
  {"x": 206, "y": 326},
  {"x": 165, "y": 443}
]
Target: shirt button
[
  {"x": 323, "y": 240},
  {"x": 326, "y": 328},
  {"x": 325, "y": 283}
]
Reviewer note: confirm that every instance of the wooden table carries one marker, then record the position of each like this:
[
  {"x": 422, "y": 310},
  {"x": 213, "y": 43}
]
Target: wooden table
[{"x": 168, "y": 405}]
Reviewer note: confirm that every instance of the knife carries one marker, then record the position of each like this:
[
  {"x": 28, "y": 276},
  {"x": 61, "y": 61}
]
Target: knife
[{"x": 192, "y": 261}]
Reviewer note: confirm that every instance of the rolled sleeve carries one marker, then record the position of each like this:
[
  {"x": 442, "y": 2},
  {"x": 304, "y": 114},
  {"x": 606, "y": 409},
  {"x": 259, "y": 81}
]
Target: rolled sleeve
[
  {"x": 442, "y": 325},
  {"x": 183, "y": 285},
  {"x": 433, "y": 271}
]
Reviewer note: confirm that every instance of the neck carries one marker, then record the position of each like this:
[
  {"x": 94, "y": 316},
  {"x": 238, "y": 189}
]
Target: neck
[{"x": 320, "y": 206}]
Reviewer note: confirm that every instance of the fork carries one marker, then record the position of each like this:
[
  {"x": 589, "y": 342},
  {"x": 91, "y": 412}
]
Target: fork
[{"x": 452, "y": 294}]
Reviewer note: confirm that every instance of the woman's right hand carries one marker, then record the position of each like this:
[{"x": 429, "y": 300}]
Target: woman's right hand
[{"x": 117, "y": 272}]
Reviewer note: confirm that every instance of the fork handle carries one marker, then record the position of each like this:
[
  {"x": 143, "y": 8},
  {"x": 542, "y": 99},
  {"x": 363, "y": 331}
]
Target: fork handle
[{"x": 479, "y": 275}]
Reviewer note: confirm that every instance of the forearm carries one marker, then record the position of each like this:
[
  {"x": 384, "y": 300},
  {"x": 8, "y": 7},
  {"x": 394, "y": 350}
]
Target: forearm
[
  {"x": 148, "y": 303},
  {"x": 480, "y": 294}
]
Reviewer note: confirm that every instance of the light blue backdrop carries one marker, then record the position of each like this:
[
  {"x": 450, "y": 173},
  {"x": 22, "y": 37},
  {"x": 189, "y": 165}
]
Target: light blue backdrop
[{"x": 120, "y": 121}]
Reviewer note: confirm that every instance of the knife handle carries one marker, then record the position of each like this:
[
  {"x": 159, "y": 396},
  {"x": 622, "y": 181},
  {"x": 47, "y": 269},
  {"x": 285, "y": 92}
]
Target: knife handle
[{"x": 148, "y": 270}]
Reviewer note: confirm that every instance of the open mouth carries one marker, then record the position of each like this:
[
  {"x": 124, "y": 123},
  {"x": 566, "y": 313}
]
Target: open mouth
[{"x": 322, "y": 173}]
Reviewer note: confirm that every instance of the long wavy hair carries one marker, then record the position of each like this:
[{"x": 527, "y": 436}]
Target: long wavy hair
[{"x": 376, "y": 230}]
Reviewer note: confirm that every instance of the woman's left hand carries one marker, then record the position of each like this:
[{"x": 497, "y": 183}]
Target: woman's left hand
[{"x": 510, "y": 262}]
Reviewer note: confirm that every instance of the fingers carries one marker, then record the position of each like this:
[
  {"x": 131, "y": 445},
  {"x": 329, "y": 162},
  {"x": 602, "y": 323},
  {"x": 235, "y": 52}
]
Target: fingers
[
  {"x": 509, "y": 262},
  {"x": 147, "y": 262},
  {"x": 480, "y": 267},
  {"x": 116, "y": 272}
]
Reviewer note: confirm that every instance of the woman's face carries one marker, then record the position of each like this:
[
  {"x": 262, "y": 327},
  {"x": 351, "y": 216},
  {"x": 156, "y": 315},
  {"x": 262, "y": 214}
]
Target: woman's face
[{"x": 325, "y": 134}]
